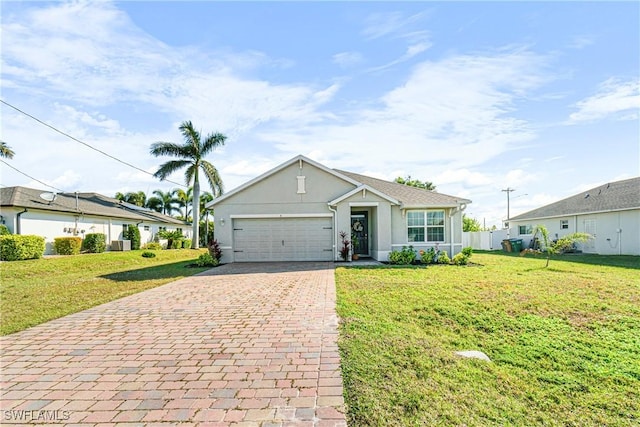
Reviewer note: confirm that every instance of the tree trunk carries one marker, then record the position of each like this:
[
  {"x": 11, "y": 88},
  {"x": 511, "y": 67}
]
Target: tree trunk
[{"x": 195, "y": 237}]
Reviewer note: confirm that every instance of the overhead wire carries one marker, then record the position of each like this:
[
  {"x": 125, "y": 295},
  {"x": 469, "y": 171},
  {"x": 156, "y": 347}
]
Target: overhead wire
[
  {"x": 84, "y": 143},
  {"x": 30, "y": 177}
]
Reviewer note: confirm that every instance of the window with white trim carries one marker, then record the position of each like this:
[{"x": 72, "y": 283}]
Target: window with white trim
[
  {"x": 425, "y": 226},
  {"x": 564, "y": 224},
  {"x": 525, "y": 229}
]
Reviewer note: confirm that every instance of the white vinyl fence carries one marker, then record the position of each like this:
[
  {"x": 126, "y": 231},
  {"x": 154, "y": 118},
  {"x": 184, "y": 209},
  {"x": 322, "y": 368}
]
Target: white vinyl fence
[{"x": 487, "y": 240}]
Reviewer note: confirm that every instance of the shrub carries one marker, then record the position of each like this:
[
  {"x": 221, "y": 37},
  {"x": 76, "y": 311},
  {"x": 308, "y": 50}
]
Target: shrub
[
  {"x": 95, "y": 243},
  {"x": 15, "y": 247},
  {"x": 153, "y": 246},
  {"x": 4, "y": 230},
  {"x": 174, "y": 243},
  {"x": 186, "y": 243},
  {"x": 206, "y": 260},
  {"x": 346, "y": 246},
  {"x": 468, "y": 251},
  {"x": 214, "y": 250},
  {"x": 148, "y": 254},
  {"x": 67, "y": 245},
  {"x": 444, "y": 258},
  {"x": 404, "y": 257},
  {"x": 133, "y": 234},
  {"x": 460, "y": 259},
  {"x": 174, "y": 238}
]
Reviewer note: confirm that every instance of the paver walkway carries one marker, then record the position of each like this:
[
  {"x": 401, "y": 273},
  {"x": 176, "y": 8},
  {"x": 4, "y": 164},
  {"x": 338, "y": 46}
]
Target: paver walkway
[{"x": 242, "y": 345}]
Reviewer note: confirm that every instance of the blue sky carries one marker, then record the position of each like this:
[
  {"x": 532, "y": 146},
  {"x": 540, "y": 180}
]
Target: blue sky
[{"x": 543, "y": 97}]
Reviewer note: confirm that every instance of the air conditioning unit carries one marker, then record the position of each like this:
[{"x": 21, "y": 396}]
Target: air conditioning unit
[{"x": 121, "y": 245}]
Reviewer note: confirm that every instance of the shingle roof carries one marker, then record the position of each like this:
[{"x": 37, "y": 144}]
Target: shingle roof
[
  {"x": 86, "y": 203},
  {"x": 407, "y": 195},
  {"x": 619, "y": 195}
]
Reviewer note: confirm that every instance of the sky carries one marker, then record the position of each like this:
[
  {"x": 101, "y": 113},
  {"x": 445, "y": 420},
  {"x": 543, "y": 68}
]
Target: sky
[{"x": 475, "y": 97}]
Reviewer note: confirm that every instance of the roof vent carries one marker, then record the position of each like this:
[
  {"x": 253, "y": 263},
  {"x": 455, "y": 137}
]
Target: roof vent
[{"x": 586, "y": 196}]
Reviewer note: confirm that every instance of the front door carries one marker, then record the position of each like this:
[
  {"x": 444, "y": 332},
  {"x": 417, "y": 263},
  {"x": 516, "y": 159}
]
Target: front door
[{"x": 360, "y": 233}]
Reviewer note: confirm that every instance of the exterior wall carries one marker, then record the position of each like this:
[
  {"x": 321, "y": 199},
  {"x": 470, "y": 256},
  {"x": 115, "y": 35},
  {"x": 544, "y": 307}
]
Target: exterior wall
[
  {"x": 59, "y": 224},
  {"x": 616, "y": 233},
  {"x": 276, "y": 195},
  {"x": 452, "y": 231}
]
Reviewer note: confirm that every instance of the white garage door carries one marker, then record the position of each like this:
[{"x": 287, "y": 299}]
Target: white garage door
[{"x": 283, "y": 239}]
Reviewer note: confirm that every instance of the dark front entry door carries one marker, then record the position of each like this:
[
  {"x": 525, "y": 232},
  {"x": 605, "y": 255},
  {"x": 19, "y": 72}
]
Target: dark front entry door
[{"x": 360, "y": 233}]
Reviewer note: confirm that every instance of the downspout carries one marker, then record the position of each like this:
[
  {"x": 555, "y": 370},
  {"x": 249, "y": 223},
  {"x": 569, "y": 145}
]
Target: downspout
[
  {"x": 18, "y": 220},
  {"x": 335, "y": 231},
  {"x": 451, "y": 234}
]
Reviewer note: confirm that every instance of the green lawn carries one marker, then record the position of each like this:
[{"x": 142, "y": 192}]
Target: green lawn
[
  {"x": 564, "y": 342},
  {"x": 35, "y": 291}
]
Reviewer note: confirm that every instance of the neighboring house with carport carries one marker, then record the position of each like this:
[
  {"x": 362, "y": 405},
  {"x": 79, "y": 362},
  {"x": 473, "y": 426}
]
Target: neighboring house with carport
[
  {"x": 296, "y": 211},
  {"x": 30, "y": 211},
  {"x": 609, "y": 212}
]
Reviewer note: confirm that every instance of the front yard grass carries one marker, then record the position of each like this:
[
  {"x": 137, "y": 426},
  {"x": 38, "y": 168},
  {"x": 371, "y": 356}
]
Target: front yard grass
[
  {"x": 36, "y": 291},
  {"x": 564, "y": 342}
]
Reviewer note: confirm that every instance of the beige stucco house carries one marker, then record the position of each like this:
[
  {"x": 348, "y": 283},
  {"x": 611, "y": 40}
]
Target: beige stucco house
[{"x": 296, "y": 212}]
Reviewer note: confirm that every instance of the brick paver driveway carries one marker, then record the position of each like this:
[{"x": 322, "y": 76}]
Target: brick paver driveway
[{"x": 242, "y": 344}]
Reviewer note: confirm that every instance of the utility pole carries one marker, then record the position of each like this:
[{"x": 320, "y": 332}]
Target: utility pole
[{"x": 508, "y": 190}]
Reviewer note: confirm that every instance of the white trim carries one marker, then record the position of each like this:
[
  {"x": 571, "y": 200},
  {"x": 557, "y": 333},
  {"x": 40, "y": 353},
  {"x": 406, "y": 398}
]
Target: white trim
[
  {"x": 267, "y": 216},
  {"x": 299, "y": 159},
  {"x": 364, "y": 204},
  {"x": 364, "y": 188}
]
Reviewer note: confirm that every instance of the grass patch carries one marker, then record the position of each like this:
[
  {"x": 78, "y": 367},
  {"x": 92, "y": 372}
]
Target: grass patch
[
  {"x": 564, "y": 342},
  {"x": 36, "y": 291}
]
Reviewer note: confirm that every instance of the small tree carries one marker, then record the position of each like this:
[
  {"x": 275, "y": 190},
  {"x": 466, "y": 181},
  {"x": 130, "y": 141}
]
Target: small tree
[
  {"x": 556, "y": 246},
  {"x": 470, "y": 224}
]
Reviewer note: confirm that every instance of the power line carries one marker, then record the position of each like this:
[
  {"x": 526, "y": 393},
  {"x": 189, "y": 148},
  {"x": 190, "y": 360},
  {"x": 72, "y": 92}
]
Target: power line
[
  {"x": 29, "y": 176},
  {"x": 84, "y": 143}
]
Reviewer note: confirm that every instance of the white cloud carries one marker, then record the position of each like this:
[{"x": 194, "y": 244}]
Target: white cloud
[
  {"x": 347, "y": 59},
  {"x": 390, "y": 24},
  {"x": 615, "y": 98}
]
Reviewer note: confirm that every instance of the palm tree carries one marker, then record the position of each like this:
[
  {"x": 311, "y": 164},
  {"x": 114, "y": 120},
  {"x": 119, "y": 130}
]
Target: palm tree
[
  {"x": 191, "y": 155},
  {"x": 165, "y": 201},
  {"x": 183, "y": 198},
  {"x": 138, "y": 198},
  {"x": 5, "y": 151}
]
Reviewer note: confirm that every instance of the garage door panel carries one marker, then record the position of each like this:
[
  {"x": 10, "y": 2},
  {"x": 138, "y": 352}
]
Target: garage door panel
[{"x": 283, "y": 239}]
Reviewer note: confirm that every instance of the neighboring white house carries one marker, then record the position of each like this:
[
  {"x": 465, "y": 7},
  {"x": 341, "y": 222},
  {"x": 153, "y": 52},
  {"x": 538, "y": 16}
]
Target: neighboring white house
[
  {"x": 609, "y": 212},
  {"x": 29, "y": 211},
  {"x": 296, "y": 211}
]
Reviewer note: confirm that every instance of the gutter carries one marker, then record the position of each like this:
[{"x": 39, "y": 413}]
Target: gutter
[{"x": 18, "y": 220}]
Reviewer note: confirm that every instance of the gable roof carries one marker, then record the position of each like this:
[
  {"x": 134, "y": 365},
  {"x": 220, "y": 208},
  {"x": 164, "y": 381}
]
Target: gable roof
[
  {"x": 613, "y": 196},
  {"x": 85, "y": 204},
  {"x": 406, "y": 196},
  {"x": 409, "y": 197},
  {"x": 299, "y": 158}
]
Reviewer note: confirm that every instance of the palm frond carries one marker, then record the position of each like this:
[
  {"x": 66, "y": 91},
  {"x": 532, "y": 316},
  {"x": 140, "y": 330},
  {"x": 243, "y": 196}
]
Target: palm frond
[
  {"x": 170, "y": 167},
  {"x": 212, "y": 175},
  {"x": 168, "y": 149},
  {"x": 211, "y": 142},
  {"x": 191, "y": 137}
]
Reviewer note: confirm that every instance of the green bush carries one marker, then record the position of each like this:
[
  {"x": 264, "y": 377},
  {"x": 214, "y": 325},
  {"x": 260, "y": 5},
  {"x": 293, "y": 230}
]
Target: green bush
[
  {"x": 174, "y": 243},
  {"x": 67, "y": 245},
  {"x": 153, "y": 246},
  {"x": 460, "y": 259},
  {"x": 404, "y": 257},
  {"x": 148, "y": 254},
  {"x": 468, "y": 251},
  {"x": 186, "y": 244},
  {"x": 206, "y": 260},
  {"x": 95, "y": 243},
  {"x": 15, "y": 247},
  {"x": 133, "y": 234},
  {"x": 4, "y": 230},
  {"x": 444, "y": 258}
]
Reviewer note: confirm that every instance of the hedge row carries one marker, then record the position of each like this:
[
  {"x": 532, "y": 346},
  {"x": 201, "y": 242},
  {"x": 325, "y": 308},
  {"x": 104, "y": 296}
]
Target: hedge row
[
  {"x": 67, "y": 245},
  {"x": 16, "y": 247}
]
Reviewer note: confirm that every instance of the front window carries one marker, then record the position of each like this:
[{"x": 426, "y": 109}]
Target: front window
[
  {"x": 564, "y": 224},
  {"x": 425, "y": 226}
]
